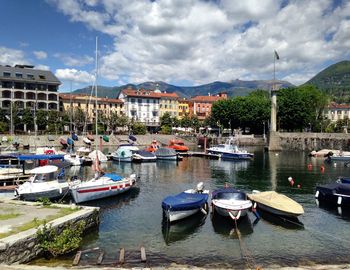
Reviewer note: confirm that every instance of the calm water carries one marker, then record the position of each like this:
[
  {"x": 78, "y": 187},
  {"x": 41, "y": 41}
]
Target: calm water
[{"x": 135, "y": 218}]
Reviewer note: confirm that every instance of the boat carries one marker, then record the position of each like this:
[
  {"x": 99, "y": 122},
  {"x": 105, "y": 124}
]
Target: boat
[
  {"x": 102, "y": 185},
  {"x": 75, "y": 137},
  {"x": 63, "y": 142},
  {"x": 101, "y": 157},
  {"x": 341, "y": 156},
  {"x": 334, "y": 193},
  {"x": 124, "y": 152},
  {"x": 87, "y": 141},
  {"x": 230, "y": 151},
  {"x": 73, "y": 159},
  {"x": 178, "y": 146},
  {"x": 70, "y": 142},
  {"x": 230, "y": 202},
  {"x": 143, "y": 156},
  {"x": 154, "y": 146},
  {"x": 164, "y": 153},
  {"x": 322, "y": 153},
  {"x": 105, "y": 138},
  {"x": 186, "y": 203},
  {"x": 343, "y": 180},
  {"x": 46, "y": 182},
  {"x": 276, "y": 203}
]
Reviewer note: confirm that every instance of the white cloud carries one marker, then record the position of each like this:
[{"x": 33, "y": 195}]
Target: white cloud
[
  {"x": 74, "y": 61},
  {"x": 40, "y": 55},
  {"x": 74, "y": 75},
  {"x": 11, "y": 57},
  {"x": 42, "y": 67},
  {"x": 204, "y": 41}
]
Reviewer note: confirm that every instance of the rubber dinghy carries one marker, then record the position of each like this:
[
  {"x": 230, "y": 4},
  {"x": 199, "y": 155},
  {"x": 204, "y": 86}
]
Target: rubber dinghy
[
  {"x": 277, "y": 204},
  {"x": 186, "y": 203}
]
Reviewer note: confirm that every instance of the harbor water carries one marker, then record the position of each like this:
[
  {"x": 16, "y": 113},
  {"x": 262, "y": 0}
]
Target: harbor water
[{"x": 134, "y": 219}]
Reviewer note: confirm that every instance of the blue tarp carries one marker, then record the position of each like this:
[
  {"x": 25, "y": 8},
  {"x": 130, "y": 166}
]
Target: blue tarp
[
  {"x": 75, "y": 137},
  {"x": 70, "y": 141},
  {"x": 345, "y": 180},
  {"x": 40, "y": 157},
  {"x": 114, "y": 177},
  {"x": 184, "y": 201}
]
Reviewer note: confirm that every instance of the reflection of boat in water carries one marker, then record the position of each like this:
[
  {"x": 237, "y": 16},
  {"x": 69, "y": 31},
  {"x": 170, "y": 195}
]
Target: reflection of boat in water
[
  {"x": 343, "y": 212},
  {"x": 183, "y": 229},
  {"x": 226, "y": 227},
  {"x": 285, "y": 222}
]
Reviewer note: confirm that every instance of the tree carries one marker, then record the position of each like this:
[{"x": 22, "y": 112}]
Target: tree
[
  {"x": 185, "y": 121},
  {"x": 195, "y": 124},
  {"x": 4, "y": 126},
  {"x": 41, "y": 119},
  {"x": 28, "y": 118},
  {"x": 165, "y": 120},
  {"x": 79, "y": 118},
  {"x": 54, "y": 122},
  {"x": 139, "y": 128}
]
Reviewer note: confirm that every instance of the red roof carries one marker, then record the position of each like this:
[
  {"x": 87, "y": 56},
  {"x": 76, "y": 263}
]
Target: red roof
[
  {"x": 68, "y": 97},
  {"x": 334, "y": 105},
  {"x": 206, "y": 98}
]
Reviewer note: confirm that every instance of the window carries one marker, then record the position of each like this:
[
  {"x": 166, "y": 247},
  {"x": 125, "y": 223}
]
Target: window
[
  {"x": 19, "y": 75},
  {"x": 79, "y": 104},
  {"x": 42, "y": 77},
  {"x": 7, "y": 74},
  {"x": 30, "y": 76},
  {"x": 139, "y": 100},
  {"x": 132, "y": 100}
]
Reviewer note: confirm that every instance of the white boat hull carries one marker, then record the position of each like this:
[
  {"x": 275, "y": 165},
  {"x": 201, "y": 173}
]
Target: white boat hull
[
  {"x": 229, "y": 208},
  {"x": 50, "y": 190},
  {"x": 100, "y": 188},
  {"x": 178, "y": 215}
]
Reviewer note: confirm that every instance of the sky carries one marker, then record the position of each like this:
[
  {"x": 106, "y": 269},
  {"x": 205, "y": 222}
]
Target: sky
[{"x": 181, "y": 42}]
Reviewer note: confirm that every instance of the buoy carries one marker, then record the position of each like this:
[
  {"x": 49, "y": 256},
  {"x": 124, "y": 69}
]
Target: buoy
[
  {"x": 322, "y": 168},
  {"x": 309, "y": 166},
  {"x": 335, "y": 164},
  {"x": 291, "y": 181},
  {"x": 298, "y": 186}
]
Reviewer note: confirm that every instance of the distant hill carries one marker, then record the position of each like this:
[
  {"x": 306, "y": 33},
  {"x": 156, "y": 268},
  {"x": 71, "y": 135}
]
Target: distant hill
[
  {"x": 334, "y": 80},
  {"x": 233, "y": 88}
]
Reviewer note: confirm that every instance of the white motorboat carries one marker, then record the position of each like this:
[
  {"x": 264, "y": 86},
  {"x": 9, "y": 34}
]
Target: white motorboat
[
  {"x": 124, "y": 152},
  {"x": 230, "y": 202},
  {"x": 143, "y": 156},
  {"x": 45, "y": 183},
  {"x": 230, "y": 151},
  {"x": 73, "y": 159},
  {"x": 186, "y": 203},
  {"x": 101, "y": 186}
]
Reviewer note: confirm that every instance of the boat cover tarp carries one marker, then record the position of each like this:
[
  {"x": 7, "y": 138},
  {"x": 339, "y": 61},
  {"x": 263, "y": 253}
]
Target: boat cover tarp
[
  {"x": 70, "y": 141},
  {"x": 184, "y": 201},
  {"x": 277, "y": 201},
  {"x": 75, "y": 137},
  {"x": 163, "y": 151},
  {"x": 144, "y": 153},
  {"x": 345, "y": 180},
  {"x": 335, "y": 188},
  {"x": 40, "y": 157},
  {"x": 229, "y": 193},
  {"x": 113, "y": 176}
]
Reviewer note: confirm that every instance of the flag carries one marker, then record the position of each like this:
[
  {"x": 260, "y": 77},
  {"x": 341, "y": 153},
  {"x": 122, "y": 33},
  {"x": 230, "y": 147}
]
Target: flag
[{"x": 277, "y": 56}]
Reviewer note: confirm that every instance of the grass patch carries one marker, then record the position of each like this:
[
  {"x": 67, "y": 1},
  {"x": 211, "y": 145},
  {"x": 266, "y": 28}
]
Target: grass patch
[
  {"x": 9, "y": 216},
  {"x": 37, "y": 222}
]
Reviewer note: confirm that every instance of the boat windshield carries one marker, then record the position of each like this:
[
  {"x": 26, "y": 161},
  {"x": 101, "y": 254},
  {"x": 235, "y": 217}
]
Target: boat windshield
[
  {"x": 228, "y": 196},
  {"x": 40, "y": 178}
]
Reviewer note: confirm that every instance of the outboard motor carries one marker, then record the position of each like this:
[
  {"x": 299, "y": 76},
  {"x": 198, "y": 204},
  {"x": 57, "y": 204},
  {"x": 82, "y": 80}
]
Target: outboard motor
[{"x": 200, "y": 187}]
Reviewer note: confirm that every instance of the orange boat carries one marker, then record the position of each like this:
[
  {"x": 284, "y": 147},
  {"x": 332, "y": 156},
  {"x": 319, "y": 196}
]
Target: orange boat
[
  {"x": 154, "y": 146},
  {"x": 178, "y": 146}
]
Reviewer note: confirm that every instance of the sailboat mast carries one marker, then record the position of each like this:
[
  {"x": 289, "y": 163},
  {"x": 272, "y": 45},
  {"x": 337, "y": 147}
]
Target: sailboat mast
[{"x": 96, "y": 112}]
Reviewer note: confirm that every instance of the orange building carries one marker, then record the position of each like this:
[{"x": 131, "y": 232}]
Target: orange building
[{"x": 202, "y": 104}]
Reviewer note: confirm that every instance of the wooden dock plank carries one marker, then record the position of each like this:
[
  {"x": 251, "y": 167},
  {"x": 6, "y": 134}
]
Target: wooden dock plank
[
  {"x": 100, "y": 258},
  {"x": 77, "y": 258},
  {"x": 143, "y": 254},
  {"x": 121, "y": 255}
]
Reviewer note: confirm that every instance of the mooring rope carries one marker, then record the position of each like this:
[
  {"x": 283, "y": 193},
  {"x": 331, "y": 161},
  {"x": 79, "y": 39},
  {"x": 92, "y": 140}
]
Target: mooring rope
[{"x": 246, "y": 254}]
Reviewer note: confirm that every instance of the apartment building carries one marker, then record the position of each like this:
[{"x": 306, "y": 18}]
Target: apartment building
[
  {"x": 141, "y": 105},
  {"x": 168, "y": 103},
  {"x": 336, "y": 112},
  {"x": 202, "y": 104}
]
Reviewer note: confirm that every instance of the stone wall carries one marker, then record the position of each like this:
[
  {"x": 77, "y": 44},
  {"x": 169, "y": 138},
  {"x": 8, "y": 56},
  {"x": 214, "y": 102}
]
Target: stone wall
[
  {"x": 24, "y": 247},
  {"x": 314, "y": 141}
]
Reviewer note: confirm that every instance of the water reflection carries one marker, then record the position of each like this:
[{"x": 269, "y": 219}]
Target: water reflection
[
  {"x": 287, "y": 223},
  {"x": 226, "y": 226},
  {"x": 183, "y": 229},
  {"x": 338, "y": 211}
]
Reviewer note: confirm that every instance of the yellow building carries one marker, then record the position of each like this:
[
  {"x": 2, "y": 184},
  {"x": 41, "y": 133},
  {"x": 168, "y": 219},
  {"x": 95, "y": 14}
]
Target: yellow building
[
  {"x": 168, "y": 103},
  {"x": 88, "y": 104},
  {"x": 183, "y": 108}
]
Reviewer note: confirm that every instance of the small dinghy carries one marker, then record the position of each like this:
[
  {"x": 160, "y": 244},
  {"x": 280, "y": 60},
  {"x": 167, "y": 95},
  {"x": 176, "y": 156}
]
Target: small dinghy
[
  {"x": 277, "y": 204},
  {"x": 86, "y": 141},
  {"x": 186, "y": 203},
  {"x": 334, "y": 193},
  {"x": 165, "y": 153},
  {"x": 230, "y": 202},
  {"x": 143, "y": 156}
]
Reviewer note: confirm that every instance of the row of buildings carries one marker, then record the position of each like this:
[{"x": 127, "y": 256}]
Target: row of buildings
[{"x": 29, "y": 88}]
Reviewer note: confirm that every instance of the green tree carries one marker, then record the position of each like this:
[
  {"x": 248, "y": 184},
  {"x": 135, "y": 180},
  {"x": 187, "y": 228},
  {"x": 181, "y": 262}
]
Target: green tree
[
  {"x": 55, "y": 124},
  {"x": 79, "y": 119},
  {"x": 139, "y": 128},
  {"x": 185, "y": 121},
  {"x": 28, "y": 118},
  {"x": 4, "y": 126},
  {"x": 41, "y": 119},
  {"x": 195, "y": 124},
  {"x": 166, "y": 120}
]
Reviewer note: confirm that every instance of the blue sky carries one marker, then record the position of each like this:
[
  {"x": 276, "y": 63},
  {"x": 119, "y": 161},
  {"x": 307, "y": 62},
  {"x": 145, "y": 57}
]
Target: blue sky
[{"x": 183, "y": 42}]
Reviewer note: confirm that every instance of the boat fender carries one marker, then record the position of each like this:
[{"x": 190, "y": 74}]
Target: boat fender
[
  {"x": 110, "y": 188},
  {"x": 339, "y": 200},
  {"x": 203, "y": 211},
  {"x": 309, "y": 166},
  {"x": 339, "y": 211},
  {"x": 255, "y": 212},
  {"x": 60, "y": 190},
  {"x": 317, "y": 193},
  {"x": 322, "y": 168}
]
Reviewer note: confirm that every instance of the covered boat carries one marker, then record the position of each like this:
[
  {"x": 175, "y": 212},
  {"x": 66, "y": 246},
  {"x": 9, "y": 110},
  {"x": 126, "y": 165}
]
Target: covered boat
[
  {"x": 45, "y": 183},
  {"x": 101, "y": 157},
  {"x": 143, "y": 156},
  {"x": 166, "y": 153},
  {"x": 230, "y": 151},
  {"x": 277, "y": 204},
  {"x": 334, "y": 193},
  {"x": 124, "y": 152},
  {"x": 186, "y": 203},
  {"x": 75, "y": 137},
  {"x": 87, "y": 141},
  {"x": 101, "y": 186},
  {"x": 230, "y": 202},
  {"x": 178, "y": 146}
]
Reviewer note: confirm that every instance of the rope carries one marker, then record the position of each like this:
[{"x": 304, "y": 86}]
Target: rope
[{"x": 246, "y": 254}]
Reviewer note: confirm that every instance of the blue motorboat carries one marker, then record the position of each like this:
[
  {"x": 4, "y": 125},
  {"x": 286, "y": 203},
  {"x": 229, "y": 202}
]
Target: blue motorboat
[
  {"x": 230, "y": 151},
  {"x": 334, "y": 193},
  {"x": 75, "y": 137},
  {"x": 186, "y": 203}
]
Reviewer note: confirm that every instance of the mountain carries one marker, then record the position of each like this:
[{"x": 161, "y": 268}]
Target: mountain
[
  {"x": 334, "y": 80},
  {"x": 233, "y": 88}
]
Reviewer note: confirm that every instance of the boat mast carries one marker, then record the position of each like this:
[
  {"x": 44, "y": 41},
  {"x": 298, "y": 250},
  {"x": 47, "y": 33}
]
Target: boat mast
[{"x": 96, "y": 112}]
